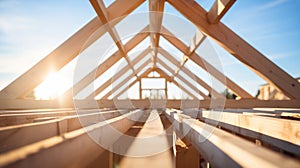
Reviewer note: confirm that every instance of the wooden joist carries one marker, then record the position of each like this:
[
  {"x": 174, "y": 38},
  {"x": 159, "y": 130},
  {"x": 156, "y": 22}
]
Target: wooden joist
[
  {"x": 71, "y": 149},
  {"x": 233, "y": 104},
  {"x": 223, "y": 149},
  {"x": 281, "y": 133},
  {"x": 10, "y": 136},
  {"x": 152, "y": 145}
]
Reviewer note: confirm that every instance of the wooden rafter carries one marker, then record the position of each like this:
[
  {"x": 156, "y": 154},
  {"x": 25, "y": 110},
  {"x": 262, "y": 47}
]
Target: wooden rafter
[
  {"x": 197, "y": 40},
  {"x": 170, "y": 79},
  {"x": 122, "y": 83},
  {"x": 205, "y": 65},
  {"x": 118, "y": 75},
  {"x": 183, "y": 79},
  {"x": 185, "y": 70},
  {"x": 239, "y": 48},
  {"x": 162, "y": 74},
  {"x": 156, "y": 8},
  {"x": 218, "y": 10},
  {"x": 144, "y": 74},
  {"x": 109, "y": 62},
  {"x": 65, "y": 52},
  {"x": 103, "y": 16}
]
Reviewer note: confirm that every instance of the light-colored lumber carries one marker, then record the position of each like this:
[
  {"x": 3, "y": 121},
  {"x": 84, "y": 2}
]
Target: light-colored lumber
[
  {"x": 184, "y": 80},
  {"x": 196, "y": 41},
  {"x": 232, "y": 104},
  {"x": 223, "y": 149},
  {"x": 65, "y": 52},
  {"x": 151, "y": 147},
  {"x": 71, "y": 149},
  {"x": 218, "y": 10},
  {"x": 13, "y": 137},
  {"x": 205, "y": 65},
  {"x": 104, "y": 66},
  {"x": 239, "y": 48},
  {"x": 100, "y": 9},
  {"x": 156, "y": 9},
  {"x": 118, "y": 75},
  {"x": 115, "y": 88},
  {"x": 211, "y": 90},
  {"x": 23, "y": 118},
  {"x": 283, "y": 129},
  {"x": 144, "y": 74}
]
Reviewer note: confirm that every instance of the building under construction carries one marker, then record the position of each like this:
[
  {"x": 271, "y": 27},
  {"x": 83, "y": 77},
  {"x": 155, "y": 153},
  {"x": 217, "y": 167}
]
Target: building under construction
[{"x": 95, "y": 125}]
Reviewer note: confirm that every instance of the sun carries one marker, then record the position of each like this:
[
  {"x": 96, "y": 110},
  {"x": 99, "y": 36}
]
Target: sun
[{"x": 52, "y": 87}]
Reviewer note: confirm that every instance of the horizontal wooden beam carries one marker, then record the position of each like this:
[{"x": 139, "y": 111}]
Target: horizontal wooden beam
[
  {"x": 215, "y": 144},
  {"x": 7, "y": 104},
  {"x": 278, "y": 132},
  {"x": 10, "y": 136},
  {"x": 239, "y": 48},
  {"x": 62, "y": 151},
  {"x": 154, "y": 152},
  {"x": 218, "y": 10}
]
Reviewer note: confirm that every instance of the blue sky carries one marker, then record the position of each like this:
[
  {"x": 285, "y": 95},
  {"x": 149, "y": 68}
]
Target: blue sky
[{"x": 31, "y": 29}]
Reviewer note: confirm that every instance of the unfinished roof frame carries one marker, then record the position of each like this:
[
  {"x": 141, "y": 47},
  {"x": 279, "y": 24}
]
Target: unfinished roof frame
[{"x": 207, "y": 22}]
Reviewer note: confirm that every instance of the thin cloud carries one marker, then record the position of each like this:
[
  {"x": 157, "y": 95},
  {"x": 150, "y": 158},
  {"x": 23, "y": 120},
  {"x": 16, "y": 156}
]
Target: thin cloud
[
  {"x": 272, "y": 4},
  {"x": 282, "y": 55}
]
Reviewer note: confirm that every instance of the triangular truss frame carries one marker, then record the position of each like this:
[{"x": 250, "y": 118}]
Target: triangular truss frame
[{"x": 209, "y": 25}]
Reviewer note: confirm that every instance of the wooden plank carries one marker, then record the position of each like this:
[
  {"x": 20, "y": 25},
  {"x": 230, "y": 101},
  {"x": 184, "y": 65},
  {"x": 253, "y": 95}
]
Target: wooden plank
[
  {"x": 211, "y": 90},
  {"x": 118, "y": 75},
  {"x": 156, "y": 9},
  {"x": 274, "y": 142},
  {"x": 218, "y": 10},
  {"x": 65, "y": 52},
  {"x": 62, "y": 151},
  {"x": 205, "y": 65},
  {"x": 239, "y": 48},
  {"x": 23, "y": 118},
  {"x": 283, "y": 129},
  {"x": 11, "y": 136},
  {"x": 151, "y": 147},
  {"x": 223, "y": 149}
]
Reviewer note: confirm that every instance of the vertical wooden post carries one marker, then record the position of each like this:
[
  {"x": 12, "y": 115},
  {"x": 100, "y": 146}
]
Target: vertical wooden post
[{"x": 140, "y": 87}]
